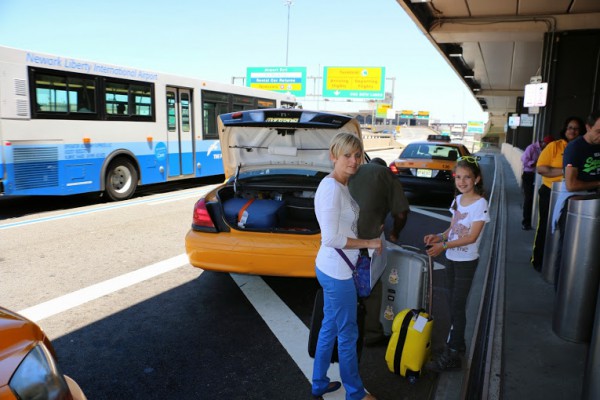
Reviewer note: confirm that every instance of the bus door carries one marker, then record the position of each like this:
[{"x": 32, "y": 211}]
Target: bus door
[{"x": 180, "y": 135}]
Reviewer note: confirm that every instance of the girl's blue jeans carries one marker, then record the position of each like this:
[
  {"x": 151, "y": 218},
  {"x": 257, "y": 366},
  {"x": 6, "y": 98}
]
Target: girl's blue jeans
[
  {"x": 339, "y": 320},
  {"x": 460, "y": 277}
]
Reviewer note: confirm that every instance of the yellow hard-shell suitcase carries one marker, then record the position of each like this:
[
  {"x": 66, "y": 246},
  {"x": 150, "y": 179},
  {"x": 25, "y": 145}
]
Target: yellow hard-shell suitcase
[{"x": 410, "y": 344}]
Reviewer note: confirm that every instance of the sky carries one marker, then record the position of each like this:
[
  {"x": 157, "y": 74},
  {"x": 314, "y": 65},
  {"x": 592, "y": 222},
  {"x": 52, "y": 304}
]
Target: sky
[{"x": 219, "y": 39}]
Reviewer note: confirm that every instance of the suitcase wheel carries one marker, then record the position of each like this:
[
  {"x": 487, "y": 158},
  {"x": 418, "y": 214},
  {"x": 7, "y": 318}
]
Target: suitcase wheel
[{"x": 412, "y": 376}]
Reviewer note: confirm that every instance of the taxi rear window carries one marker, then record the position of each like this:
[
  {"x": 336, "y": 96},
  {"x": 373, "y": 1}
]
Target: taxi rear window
[{"x": 431, "y": 151}]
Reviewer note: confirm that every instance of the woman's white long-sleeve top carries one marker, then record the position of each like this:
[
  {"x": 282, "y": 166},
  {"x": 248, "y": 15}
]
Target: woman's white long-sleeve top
[{"x": 337, "y": 213}]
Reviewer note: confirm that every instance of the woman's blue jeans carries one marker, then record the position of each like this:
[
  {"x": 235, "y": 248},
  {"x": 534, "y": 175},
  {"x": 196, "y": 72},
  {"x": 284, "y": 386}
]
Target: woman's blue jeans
[{"x": 339, "y": 320}]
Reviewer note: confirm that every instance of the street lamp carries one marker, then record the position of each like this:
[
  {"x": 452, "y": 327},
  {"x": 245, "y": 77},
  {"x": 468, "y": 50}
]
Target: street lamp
[{"x": 288, "y": 3}]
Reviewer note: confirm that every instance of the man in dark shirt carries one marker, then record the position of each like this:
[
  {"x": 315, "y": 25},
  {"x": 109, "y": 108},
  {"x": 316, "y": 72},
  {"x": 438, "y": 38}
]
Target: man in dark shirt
[
  {"x": 581, "y": 159},
  {"x": 581, "y": 164},
  {"x": 378, "y": 193}
]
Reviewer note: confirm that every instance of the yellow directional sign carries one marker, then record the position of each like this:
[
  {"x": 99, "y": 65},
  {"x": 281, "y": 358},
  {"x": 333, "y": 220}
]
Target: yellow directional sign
[
  {"x": 382, "y": 110},
  {"x": 354, "y": 82}
]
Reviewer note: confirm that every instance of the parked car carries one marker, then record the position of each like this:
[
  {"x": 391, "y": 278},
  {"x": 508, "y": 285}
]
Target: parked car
[
  {"x": 28, "y": 368},
  {"x": 427, "y": 166},
  {"x": 261, "y": 220}
]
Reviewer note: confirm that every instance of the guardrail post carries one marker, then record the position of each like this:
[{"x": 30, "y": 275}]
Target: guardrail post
[
  {"x": 552, "y": 239},
  {"x": 579, "y": 274}
]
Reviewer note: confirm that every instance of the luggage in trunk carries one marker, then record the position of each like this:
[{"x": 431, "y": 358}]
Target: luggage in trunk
[
  {"x": 270, "y": 210},
  {"x": 254, "y": 213}
]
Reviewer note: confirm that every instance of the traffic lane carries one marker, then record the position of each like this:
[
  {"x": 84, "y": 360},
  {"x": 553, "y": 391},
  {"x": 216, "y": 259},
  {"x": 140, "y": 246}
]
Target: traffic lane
[
  {"x": 21, "y": 206},
  {"x": 200, "y": 340},
  {"x": 55, "y": 253}
]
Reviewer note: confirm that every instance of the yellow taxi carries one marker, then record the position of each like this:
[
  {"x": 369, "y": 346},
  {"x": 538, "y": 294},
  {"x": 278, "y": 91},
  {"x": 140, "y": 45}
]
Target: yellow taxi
[
  {"x": 28, "y": 368},
  {"x": 427, "y": 166},
  {"x": 261, "y": 220}
]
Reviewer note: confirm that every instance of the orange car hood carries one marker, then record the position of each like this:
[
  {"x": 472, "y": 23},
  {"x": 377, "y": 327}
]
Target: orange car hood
[{"x": 18, "y": 336}]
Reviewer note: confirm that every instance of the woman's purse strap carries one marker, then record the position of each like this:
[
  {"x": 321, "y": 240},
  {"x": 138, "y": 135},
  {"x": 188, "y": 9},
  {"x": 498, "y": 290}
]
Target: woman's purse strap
[{"x": 345, "y": 257}]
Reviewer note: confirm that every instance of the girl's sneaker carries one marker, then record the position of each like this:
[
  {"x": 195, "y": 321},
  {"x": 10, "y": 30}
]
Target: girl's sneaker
[{"x": 448, "y": 360}]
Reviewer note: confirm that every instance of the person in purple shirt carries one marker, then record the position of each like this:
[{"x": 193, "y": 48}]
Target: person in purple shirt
[{"x": 529, "y": 159}]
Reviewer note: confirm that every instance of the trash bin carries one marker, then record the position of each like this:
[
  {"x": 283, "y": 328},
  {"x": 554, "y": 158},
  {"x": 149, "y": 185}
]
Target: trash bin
[
  {"x": 550, "y": 246},
  {"x": 591, "y": 383},
  {"x": 575, "y": 301}
]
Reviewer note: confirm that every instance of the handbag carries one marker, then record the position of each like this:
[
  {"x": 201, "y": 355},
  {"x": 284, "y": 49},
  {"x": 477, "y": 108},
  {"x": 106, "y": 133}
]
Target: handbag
[{"x": 361, "y": 273}]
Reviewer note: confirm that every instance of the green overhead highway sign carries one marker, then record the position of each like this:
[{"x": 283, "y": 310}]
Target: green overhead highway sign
[{"x": 278, "y": 79}]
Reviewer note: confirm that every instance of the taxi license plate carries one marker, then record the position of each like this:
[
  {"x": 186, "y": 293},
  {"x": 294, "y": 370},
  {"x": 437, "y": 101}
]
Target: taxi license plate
[{"x": 424, "y": 173}]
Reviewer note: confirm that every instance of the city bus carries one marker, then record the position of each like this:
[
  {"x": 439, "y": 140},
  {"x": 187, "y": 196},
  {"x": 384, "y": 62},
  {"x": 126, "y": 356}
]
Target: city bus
[{"x": 70, "y": 126}]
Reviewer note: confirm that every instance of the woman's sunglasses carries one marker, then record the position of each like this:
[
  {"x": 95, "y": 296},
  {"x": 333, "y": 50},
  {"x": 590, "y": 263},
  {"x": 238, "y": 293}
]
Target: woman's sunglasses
[{"x": 470, "y": 159}]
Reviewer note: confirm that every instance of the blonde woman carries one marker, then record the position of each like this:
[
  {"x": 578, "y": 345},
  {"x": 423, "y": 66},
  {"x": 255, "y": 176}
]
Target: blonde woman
[{"x": 337, "y": 213}]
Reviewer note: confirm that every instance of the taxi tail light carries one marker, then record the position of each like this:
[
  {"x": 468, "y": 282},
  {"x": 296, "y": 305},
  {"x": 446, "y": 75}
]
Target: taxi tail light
[
  {"x": 401, "y": 170},
  {"x": 202, "y": 220}
]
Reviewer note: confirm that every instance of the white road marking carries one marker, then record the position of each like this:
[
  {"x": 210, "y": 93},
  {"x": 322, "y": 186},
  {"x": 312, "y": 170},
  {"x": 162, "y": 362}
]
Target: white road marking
[
  {"x": 285, "y": 325},
  {"x": 196, "y": 195},
  {"x": 82, "y": 296},
  {"x": 420, "y": 210}
]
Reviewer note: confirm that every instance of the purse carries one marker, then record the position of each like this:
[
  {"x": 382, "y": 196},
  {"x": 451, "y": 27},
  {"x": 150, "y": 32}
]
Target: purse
[{"x": 361, "y": 272}]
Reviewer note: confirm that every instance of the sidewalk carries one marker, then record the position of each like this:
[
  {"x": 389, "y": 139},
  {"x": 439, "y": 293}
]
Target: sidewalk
[{"x": 537, "y": 364}]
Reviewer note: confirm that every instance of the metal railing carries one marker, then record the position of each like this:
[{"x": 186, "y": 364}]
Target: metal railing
[{"x": 481, "y": 380}]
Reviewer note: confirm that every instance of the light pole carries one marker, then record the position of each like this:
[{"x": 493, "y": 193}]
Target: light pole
[{"x": 288, "y": 3}]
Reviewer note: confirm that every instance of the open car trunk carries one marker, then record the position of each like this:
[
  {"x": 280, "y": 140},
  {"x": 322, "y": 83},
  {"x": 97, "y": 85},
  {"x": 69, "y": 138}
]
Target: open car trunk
[
  {"x": 274, "y": 160},
  {"x": 268, "y": 209}
]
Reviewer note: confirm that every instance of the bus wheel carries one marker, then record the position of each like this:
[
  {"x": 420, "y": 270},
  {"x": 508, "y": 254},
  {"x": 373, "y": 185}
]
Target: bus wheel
[{"x": 121, "y": 179}]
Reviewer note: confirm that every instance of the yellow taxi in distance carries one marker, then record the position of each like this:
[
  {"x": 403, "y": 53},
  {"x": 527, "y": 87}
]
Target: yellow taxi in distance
[
  {"x": 28, "y": 368},
  {"x": 261, "y": 220},
  {"x": 427, "y": 166}
]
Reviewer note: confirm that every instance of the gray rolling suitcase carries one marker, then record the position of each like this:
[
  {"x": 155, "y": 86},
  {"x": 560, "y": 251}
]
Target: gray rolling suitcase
[{"x": 404, "y": 283}]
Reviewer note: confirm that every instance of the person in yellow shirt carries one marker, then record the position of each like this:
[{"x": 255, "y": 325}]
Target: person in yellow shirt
[{"x": 550, "y": 166}]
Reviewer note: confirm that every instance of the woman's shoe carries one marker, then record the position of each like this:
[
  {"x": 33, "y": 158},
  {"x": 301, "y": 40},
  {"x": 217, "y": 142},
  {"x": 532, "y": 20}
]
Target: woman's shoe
[{"x": 332, "y": 387}]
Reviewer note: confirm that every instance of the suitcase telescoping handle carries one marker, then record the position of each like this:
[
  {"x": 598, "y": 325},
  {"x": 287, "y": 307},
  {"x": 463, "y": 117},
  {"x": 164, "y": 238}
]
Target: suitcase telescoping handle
[
  {"x": 429, "y": 275},
  {"x": 409, "y": 247},
  {"x": 430, "y": 284}
]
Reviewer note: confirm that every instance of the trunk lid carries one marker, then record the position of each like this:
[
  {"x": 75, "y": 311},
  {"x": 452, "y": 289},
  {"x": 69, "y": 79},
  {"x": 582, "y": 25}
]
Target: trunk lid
[{"x": 292, "y": 139}]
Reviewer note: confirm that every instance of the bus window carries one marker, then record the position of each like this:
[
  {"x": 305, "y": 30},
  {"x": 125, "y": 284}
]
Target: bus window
[
  {"x": 240, "y": 103},
  {"x": 82, "y": 95},
  {"x": 51, "y": 93},
  {"x": 185, "y": 112},
  {"x": 142, "y": 98},
  {"x": 210, "y": 111},
  {"x": 128, "y": 98},
  {"x": 171, "y": 112},
  {"x": 213, "y": 104},
  {"x": 115, "y": 95},
  {"x": 64, "y": 94},
  {"x": 265, "y": 103}
]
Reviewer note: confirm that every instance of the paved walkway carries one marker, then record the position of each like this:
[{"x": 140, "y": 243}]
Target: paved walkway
[{"x": 537, "y": 364}]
